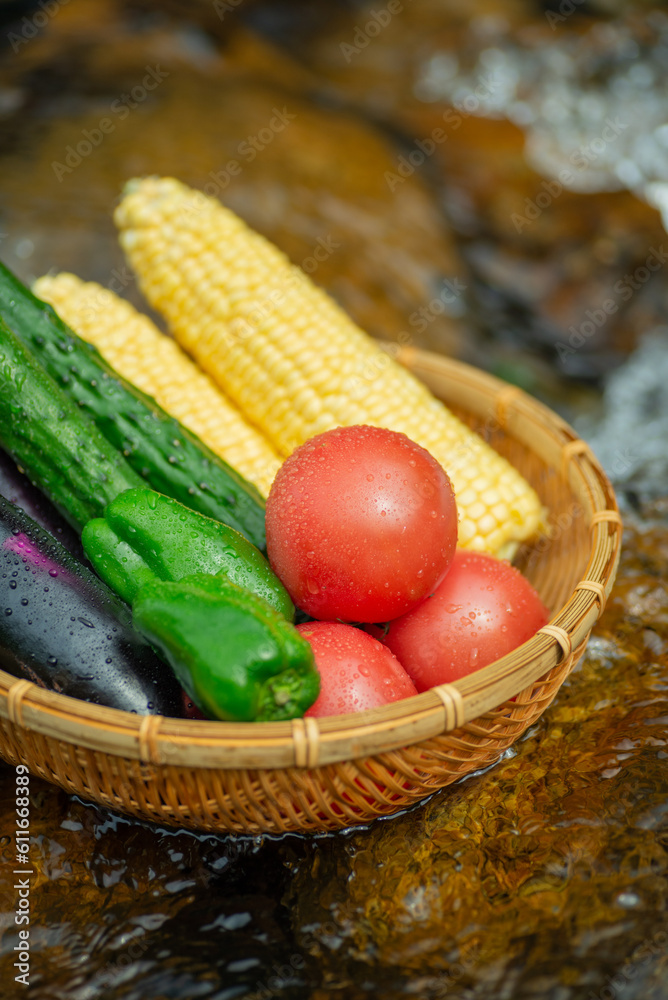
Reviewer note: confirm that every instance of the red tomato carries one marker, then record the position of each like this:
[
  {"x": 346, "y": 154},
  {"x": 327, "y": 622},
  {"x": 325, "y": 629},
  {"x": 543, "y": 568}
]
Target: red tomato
[
  {"x": 190, "y": 709},
  {"x": 356, "y": 671},
  {"x": 361, "y": 524},
  {"x": 482, "y": 610}
]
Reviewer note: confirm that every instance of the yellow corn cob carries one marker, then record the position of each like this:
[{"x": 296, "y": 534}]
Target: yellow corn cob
[
  {"x": 292, "y": 360},
  {"x": 134, "y": 346}
]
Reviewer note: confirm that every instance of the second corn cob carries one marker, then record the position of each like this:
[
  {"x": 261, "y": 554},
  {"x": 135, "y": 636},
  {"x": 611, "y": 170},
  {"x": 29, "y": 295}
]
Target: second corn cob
[
  {"x": 292, "y": 360},
  {"x": 134, "y": 346},
  {"x": 164, "y": 453}
]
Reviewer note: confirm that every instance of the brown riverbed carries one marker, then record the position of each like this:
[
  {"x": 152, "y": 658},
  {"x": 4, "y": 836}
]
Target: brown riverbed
[{"x": 485, "y": 178}]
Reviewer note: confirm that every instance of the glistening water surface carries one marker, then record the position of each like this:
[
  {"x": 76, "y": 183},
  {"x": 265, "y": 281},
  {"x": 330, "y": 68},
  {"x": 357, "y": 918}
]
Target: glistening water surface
[{"x": 485, "y": 179}]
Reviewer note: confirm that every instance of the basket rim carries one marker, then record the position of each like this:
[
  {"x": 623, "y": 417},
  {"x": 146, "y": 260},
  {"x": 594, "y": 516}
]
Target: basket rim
[{"x": 311, "y": 742}]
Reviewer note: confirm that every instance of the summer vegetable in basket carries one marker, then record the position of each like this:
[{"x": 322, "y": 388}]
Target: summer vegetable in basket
[
  {"x": 362, "y": 526},
  {"x": 17, "y": 488},
  {"x": 65, "y": 630},
  {"x": 65, "y": 455},
  {"x": 483, "y": 609},
  {"x": 145, "y": 536},
  {"x": 208, "y": 600},
  {"x": 168, "y": 457},
  {"x": 286, "y": 355},
  {"x": 133, "y": 345}
]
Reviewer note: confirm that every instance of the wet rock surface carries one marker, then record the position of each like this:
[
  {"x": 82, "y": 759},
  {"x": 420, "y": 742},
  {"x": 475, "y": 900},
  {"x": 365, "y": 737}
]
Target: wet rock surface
[
  {"x": 304, "y": 175},
  {"x": 544, "y": 877},
  {"x": 515, "y": 113}
]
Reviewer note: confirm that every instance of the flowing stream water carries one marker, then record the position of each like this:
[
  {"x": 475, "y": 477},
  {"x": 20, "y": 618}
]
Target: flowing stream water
[{"x": 486, "y": 179}]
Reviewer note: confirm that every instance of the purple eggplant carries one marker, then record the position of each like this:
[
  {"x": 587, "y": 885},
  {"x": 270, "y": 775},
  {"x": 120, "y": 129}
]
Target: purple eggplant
[
  {"x": 17, "y": 488},
  {"x": 65, "y": 630}
]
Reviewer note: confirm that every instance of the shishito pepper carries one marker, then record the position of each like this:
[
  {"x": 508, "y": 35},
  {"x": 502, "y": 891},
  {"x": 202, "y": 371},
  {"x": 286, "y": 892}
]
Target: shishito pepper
[
  {"x": 236, "y": 657},
  {"x": 145, "y": 536}
]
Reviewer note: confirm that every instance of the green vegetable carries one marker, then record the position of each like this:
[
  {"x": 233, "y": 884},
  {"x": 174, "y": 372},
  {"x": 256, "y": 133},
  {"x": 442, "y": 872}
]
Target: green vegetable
[
  {"x": 236, "y": 657},
  {"x": 59, "y": 448},
  {"x": 144, "y": 535},
  {"x": 63, "y": 629},
  {"x": 168, "y": 457}
]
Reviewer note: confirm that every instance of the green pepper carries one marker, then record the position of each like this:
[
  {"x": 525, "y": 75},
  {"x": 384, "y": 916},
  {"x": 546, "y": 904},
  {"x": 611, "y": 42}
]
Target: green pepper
[
  {"x": 146, "y": 536},
  {"x": 236, "y": 657}
]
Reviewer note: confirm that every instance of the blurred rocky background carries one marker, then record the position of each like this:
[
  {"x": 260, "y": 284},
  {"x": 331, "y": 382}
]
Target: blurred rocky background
[{"x": 485, "y": 178}]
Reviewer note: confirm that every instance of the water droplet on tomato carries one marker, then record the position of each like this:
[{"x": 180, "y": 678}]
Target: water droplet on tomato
[{"x": 312, "y": 587}]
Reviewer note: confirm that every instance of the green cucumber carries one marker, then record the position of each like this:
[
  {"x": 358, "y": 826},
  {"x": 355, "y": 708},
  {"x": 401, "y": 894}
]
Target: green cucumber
[
  {"x": 165, "y": 454},
  {"x": 59, "y": 448}
]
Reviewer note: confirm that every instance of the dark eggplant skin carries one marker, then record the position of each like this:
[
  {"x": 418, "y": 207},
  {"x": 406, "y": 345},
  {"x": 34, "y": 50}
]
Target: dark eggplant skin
[
  {"x": 17, "y": 488},
  {"x": 65, "y": 630}
]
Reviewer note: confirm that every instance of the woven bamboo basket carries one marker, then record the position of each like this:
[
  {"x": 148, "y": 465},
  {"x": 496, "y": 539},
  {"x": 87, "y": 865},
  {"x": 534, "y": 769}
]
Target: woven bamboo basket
[{"x": 316, "y": 775}]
